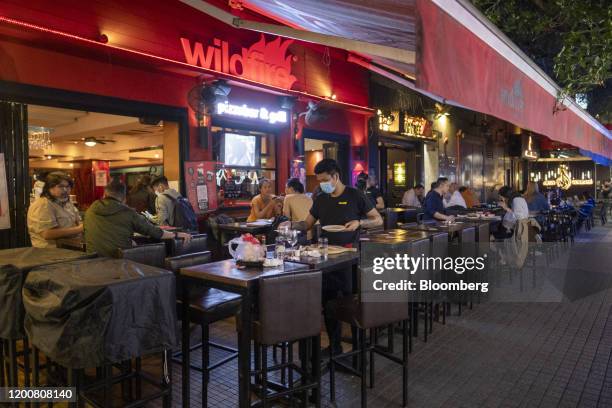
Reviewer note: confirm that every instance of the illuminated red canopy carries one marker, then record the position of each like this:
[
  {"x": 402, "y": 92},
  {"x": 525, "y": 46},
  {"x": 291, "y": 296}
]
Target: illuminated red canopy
[{"x": 458, "y": 65}]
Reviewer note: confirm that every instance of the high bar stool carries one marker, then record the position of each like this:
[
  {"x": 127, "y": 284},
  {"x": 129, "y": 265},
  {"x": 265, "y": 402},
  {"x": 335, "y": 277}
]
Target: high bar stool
[
  {"x": 206, "y": 306},
  {"x": 369, "y": 316},
  {"x": 289, "y": 310}
]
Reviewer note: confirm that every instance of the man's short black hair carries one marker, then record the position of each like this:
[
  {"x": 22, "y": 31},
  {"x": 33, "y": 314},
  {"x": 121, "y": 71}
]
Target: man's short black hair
[
  {"x": 441, "y": 180},
  {"x": 295, "y": 184},
  {"x": 115, "y": 189},
  {"x": 417, "y": 186},
  {"x": 434, "y": 185},
  {"x": 328, "y": 166},
  {"x": 159, "y": 180},
  {"x": 462, "y": 189}
]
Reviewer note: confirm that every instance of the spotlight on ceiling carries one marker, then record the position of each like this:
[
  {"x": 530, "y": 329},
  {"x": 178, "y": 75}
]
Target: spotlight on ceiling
[{"x": 90, "y": 142}]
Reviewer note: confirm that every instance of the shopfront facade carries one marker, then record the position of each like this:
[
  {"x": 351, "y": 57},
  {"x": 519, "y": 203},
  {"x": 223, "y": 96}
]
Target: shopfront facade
[{"x": 156, "y": 62}]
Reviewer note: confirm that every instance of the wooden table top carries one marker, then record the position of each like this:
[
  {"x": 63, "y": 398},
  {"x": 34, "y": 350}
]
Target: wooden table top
[
  {"x": 228, "y": 273},
  {"x": 398, "y": 235},
  {"x": 438, "y": 227},
  {"x": 244, "y": 228},
  {"x": 334, "y": 261}
]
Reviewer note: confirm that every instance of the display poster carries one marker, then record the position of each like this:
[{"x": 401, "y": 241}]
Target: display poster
[
  {"x": 5, "y": 214},
  {"x": 298, "y": 170},
  {"x": 101, "y": 179},
  {"x": 200, "y": 182}
]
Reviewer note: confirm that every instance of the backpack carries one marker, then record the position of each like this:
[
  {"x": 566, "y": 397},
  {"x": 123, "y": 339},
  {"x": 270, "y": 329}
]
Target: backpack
[{"x": 184, "y": 216}]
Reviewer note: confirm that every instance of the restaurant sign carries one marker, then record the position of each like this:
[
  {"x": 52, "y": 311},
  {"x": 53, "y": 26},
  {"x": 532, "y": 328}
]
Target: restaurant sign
[
  {"x": 264, "y": 62},
  {"x": 247, "y": 112},
  {"x": 563, "y": 178}
]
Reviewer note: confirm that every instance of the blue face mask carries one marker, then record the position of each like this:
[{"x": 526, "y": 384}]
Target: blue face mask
[{"x": 327, "y": 187}]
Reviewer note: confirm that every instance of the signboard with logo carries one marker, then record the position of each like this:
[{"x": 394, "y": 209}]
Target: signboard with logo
[{"x": 264, "y": 62}]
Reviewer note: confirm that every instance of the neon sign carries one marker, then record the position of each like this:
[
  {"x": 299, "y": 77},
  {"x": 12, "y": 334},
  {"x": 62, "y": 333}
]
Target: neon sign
[
  {"x": 562, "y": 178},
  {"x": 244, "y": 111},
  {"x": 529, "y": 153},
  {"x": 263, "y": 62}
]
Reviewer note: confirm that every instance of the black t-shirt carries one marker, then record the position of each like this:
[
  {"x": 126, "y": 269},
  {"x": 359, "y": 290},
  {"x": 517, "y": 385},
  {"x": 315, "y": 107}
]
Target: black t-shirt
[
  {"x": 372, "y": 193},
  {"x": 351, "y": 205}
]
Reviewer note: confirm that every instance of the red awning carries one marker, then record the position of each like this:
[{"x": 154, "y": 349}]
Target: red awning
[{"x": 457, "y": 64}]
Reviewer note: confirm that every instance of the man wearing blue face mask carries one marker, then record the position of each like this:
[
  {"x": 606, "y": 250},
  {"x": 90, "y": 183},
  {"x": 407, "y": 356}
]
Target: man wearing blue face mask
[{"x": 347, "y": 206}]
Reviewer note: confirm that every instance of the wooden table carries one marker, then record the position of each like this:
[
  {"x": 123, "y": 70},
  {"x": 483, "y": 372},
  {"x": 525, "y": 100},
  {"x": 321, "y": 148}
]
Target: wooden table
[
  {"x": 438, "y": 227},
  {"x": 244, "y": 228},
  {"x": 332, "y": 263},
  {"x": 225, "y": 275}
]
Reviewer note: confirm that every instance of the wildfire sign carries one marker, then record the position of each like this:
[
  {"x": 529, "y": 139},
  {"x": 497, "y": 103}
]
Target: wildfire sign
[{"x": 265, "y": 62}]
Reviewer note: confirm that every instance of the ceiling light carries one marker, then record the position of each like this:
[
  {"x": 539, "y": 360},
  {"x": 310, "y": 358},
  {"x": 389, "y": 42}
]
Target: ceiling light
[
  {"x": 333, "y": 97},
  {"x": 157, "y": 156},
  {"x": 71, "y": 164},
  {"x": 49, "y": 157},
  {"x": 90, "y": 143}
]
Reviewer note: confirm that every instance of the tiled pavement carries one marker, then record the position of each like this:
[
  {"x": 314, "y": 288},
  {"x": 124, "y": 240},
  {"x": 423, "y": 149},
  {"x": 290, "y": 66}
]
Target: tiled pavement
[{"x": 496, "y": 355}]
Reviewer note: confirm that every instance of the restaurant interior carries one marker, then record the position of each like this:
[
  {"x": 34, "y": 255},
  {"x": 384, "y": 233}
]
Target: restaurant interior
[{"x": 95, "y": 147}]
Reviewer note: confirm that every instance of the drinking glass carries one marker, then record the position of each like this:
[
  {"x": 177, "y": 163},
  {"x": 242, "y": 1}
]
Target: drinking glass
[
  {"x": 292, "y": 238},
  {"x": 324, "y": 246},
  {"x": 279, "y": 248}
]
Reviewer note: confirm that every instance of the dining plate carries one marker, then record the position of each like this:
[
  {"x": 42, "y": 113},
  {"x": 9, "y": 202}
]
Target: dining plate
[{"x": 334, "y": 228}]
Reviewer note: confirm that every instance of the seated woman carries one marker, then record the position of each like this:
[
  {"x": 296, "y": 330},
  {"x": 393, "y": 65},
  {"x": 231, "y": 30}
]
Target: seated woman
[
  {"x": 52, "y": 216},
  {"x": 516, "y": 209},
  {"x": 536, "y": 201},
  {"x": 296, "y": 205},
  {"x": 264, "y": 204}
]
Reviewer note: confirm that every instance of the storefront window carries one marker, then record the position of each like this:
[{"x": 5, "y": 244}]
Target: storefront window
[{"x": 243, "y": 159}]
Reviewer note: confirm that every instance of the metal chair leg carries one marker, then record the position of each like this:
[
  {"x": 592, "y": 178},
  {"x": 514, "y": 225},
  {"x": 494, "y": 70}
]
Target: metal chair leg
[
  {"x": 264, "y": 376},
  {"x": 205, "y": 363},
  {"x": 362, "y": 366}
]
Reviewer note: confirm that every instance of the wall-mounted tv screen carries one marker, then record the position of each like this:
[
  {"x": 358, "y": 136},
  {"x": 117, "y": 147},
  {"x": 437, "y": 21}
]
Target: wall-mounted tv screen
[{"x": 240, "y": 150}]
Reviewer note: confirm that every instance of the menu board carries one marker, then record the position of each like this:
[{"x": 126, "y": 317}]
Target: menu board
[{"x": 200, "y": 183}]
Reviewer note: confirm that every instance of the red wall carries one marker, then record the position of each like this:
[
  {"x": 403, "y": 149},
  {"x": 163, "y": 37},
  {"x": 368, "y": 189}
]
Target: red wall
[{"x": 49, "y": 60}]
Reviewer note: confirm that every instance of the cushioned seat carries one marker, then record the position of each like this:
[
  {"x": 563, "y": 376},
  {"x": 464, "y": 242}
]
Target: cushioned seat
[
  {"x": 367, "y": 315},
  {"x": 206, "y": 306},
  {"x": 150, "y": 254},
  {"x": 211, "y": 305}
]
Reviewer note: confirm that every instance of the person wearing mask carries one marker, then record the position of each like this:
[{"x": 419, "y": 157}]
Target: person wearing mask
[
  {"x": 434, "y": 204},
  {"x": 165, "y": 201},
  {"x": 110, "y": 224},
  {"x": 52, "y": 216},
  {"x": 339, "y": 204},
  {"x": 264, "y": 204},
  {"x": 455, "y": 199},
  {"x": 536, "y": 201},
  {"x": 141, "y": 196},
  {"x": 468, "y": 195},
  {"x": 516, "y": 209},
  {"x": 414, "y": 196}
]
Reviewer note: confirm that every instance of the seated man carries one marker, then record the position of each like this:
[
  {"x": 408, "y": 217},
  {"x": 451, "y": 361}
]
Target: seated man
[
  {"x": 455, "y": 201},
  {"x": 110, "y": 224},
  {"x": 414, "y": 196},
  {"x": 434, "y": 205}
]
